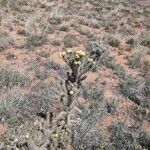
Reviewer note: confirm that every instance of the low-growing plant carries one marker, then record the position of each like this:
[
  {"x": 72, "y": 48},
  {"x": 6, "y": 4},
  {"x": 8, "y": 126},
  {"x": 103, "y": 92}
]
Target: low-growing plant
[
  {"x": 13, "y": 112},
  {"x": 112, "y": 106},
  {"x": 111, "y": 41},
  {"x": 10, "y": 56},
  {"x": 6, "y": 40},
  {"x": 10, "y": 78},
  {"x": 41, "y": 73},
  {"x": 122, "y": 139},
  {"x": 135, "y": 61},
  {"x": 70, "y": 41},
  {"x": 56, "y": 16},
  {"x": 97, "y": 52},
  {"x": 43, "y": 54},
  {"x": 52, "y": 65},
  {"x": 36, "y": 29},
  {"x": 85, "y": 31},
  {"x": 57, "y": 42},
  {"x": 126, "y": 31},
  {"x": 136, "y": 90},
  {"x": 144, "y": 39},
  {"x": 91, "y": 93}
]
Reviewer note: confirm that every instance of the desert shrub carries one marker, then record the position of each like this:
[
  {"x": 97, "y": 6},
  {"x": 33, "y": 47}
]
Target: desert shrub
[
  {"x": 144, "y": 39},
  {"x": 91, "y": 22},
  {"x": 110, "y": 27},
  {"x": 6, "y": 40},
  {"x": 111, "y": 40},
  {"x": 43, "y": 54},
  {"x": 112, "y": 106},
  {"x": 56, "y": 16},
  {"x": 57, "y": 42},
  {"x": 126, "y": 31},
  {"x": 131, "y": 41},
  {"x": 36, "y": 29},
  {"x": 52, "y": 65},
  {"x": 10, "y": 56},
  {"x": 91, "y": 93},
  {"x": 3, "y": 3},
  {"x": 44, "y": 97},
  {"x": 135, "y": 61},
  {"x": 41, "y": 73},
  {"x": 145, "y": 66},
  {"x": 86, "y": 135},
  {"x": 97, "y": 51},
  {"x": 69, "y": 41},
  {"x": 85, "y": 31},
  {"x": 123, "y": 139},
  {"x": 9, "y": 78},
  {"x": 136, "y": 90},
  {"x": 12, "y": 108},
  {"x": 65, "y": 25},
  {"x": 109, "y": 62}
]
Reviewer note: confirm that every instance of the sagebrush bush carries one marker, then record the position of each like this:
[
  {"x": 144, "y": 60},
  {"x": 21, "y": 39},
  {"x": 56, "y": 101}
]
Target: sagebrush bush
[
  {"x": 36, "y": 29},
  {"x": 56, "y": 16},
  {"x": 144, "y": 39},
  {"x": 136, "y": 90},
  {"x": 97, "y": 51},
  {"x": 6, "y": 40},
  {"x": 12, "y": 107},
  {"x": 10, "y": 78},
  {"x": 70, "y": 41},
  {"x": 135, "y": 61},
  {"x": 111, "y": 40},
  {"x": 123, "y": 139}
]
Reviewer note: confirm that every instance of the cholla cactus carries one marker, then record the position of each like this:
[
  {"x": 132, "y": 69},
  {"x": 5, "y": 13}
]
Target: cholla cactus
[{"x": 79, "y": 63}]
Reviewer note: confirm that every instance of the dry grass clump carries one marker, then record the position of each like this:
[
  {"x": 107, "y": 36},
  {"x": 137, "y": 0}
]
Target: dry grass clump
[
  {"x": 70, "y": 41},
  {"x": 36, "y": 29},
  {"x": 13, "y": 111},
  {"x": 139, "y": 58},
  {"x": 136, "y": 90},
  {"x": 6, "y": 40},
  {"x": 10, "y": 78}
]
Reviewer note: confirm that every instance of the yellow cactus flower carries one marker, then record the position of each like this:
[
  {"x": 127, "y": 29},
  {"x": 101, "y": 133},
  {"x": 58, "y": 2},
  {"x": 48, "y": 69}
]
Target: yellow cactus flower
[
  {"x": 90, "y": 60},
  {"x": 77, "y": 56},
  {"x": 80, "y": 53},
  {"x": 27, "y": 135},
  {"x": 68, "y": 51},
  {"x": 77, "y": 62},
  {"x": 61, "y": 55},
  {"x": 71, "y": 92},
  {"x": 56, "y": 135}
]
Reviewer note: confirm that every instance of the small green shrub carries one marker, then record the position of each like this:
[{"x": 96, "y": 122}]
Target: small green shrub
[
  {"x": 43, "y": 54},
  {"x": 57, "y": 42},
  {"x": 52, "y": 65},
  {"x": 36, "y": 29},
  {"x": 91, "y": 93},
  {"x": 144, "y": 39},
  {"x": 56, "y": 16},
  {"x": 12, "y": 108},
  {"x": 112, "y": 106},
  {"x": 6, "y": 40},
  {"x": 85, "y": 31},
  {"x": 126, "y": 31},
  {"x": 136, "y": 90},
  {"x": 69, "y": 41},
  {"x": 9, "y": 78},
  {"x": 122, "y": 139},
  {"x": 111, "y": 40},
  {"x": 135, "y": 61}
]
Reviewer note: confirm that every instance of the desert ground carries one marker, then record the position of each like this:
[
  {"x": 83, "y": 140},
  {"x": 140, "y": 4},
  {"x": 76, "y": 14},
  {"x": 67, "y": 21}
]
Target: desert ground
[{"x": 74, "y": 74}]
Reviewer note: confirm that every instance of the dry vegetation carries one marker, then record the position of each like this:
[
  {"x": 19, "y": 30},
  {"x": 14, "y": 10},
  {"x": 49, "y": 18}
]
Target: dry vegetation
[{"x": 74, "y": 75}]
